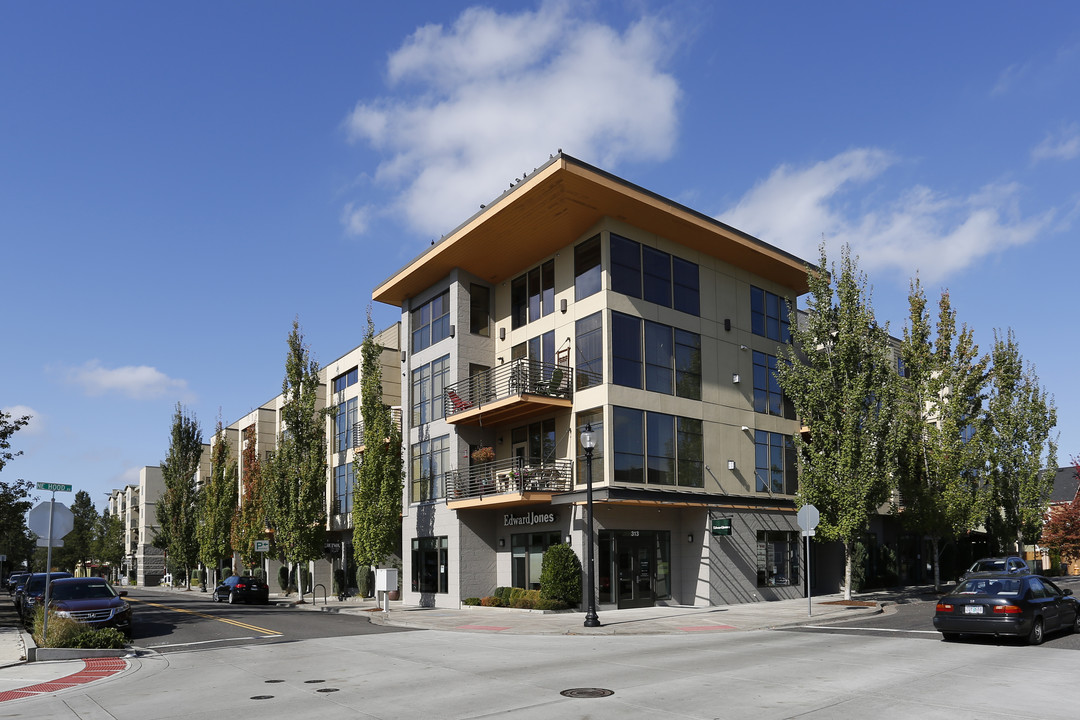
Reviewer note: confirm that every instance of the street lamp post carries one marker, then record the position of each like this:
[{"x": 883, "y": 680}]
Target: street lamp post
[{"x": 588, "y": 441}]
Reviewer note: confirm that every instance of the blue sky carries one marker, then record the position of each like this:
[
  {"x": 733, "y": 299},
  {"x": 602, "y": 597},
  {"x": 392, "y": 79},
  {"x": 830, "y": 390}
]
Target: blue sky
[{"x": 178, "y": 182}]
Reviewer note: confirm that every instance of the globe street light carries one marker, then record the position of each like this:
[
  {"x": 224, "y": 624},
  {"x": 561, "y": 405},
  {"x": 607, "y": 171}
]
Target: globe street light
[{"x": 588, "y": 441}]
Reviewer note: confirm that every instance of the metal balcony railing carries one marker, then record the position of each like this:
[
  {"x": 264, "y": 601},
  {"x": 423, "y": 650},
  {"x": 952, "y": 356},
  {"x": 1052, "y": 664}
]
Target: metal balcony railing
[
  {"x": 518, "y": 377},
  {"x": 358, "y": 427},
  {"x": 512, "y": 475}
]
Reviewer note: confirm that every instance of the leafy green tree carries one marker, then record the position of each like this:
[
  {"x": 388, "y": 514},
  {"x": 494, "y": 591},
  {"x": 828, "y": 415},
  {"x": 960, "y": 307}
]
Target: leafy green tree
[
  {"x": 841, "y": 380},
  {"x": 1019, "y": 420},
  {"x": 79, "y": 543},
  {"x": 251, "y": 518},
  {"x": 109, "y": 540},
  {"x": 15, "y": 502},
  {"x": 217, "y": 504},
  {"x": 9, "y": 427},
  {"x": 376, "y": 511},
  {"x": 1061, "y": 533},
  {"x": 176, "y": 508},
  {"x": 297, "y": 472},
  {"x": 941, "y": 461}
]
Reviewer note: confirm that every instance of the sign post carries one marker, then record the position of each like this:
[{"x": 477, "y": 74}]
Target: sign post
[
  {"x": 808, "y": 518},
  {"x": 69, "y": 524},
  {"x": 263, "y": 546}
]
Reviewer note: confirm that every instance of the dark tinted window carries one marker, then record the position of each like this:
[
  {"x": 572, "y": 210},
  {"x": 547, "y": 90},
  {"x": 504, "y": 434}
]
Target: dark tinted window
[{"x": 587, "y": 268}]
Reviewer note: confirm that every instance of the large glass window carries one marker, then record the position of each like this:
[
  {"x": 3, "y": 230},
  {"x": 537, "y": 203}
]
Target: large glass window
[
  {"x": 775, "y": 463},
  {"x": 532, "y": 296},
  {"x": 686, "y": 287},
  {"x": 777, "y": 558},
  {"x": 430, "y": 563},
  {"x": 644, "y": 272},
  {"x": 428, "y": 382},
  {"x": 657, "y": 270},
  {"x": 769, "y": 315},
  {"x": 346, "y": 379},
  {"x": 658, "y": 449},
  {"x": 659, "y": 358},
  {"x": 540, "y": 437},
  {"x": 344, "y": 481},
  {"x": 625, "y": 350},
  {"x": 479, "y": 310},
  {"x": 687, "y": 364},
  {"x": 587, "y": 275},
  {"x": 589, "y": 344},
  {"x": 768, "y": 398},
  {"x": 345, "y": 421},
  {"x": 593, "y": 419},
  {"x": 431, "y": 322},
  {"x": 527, "y": 552},
  {"x": 430, "y": 461},
  {"x": 625, "y": 266}
]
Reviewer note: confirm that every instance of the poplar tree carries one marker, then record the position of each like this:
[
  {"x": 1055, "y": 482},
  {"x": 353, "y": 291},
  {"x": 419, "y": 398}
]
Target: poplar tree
[
  {"x": 297, "y": 473},
  {"x": 376, "y": 511},
  {"x": 109, "y": 541},
  {"x": 217, "y": 504},
  {"x": 252, "y": 516},
  {"x": 176, "y": 508},
  {"x": 841, "y": 380},
  {"x": 941, "y": 459},
  {"x": 1017, "y": 433}
]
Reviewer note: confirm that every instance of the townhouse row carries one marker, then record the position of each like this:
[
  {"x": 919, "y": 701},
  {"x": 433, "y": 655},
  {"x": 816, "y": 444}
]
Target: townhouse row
[{"x": 577, "y": 300}]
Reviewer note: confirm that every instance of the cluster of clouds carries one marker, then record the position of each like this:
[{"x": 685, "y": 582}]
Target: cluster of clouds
[
  {"x": 137, "y": 382},
  {"x": 473, "y": 105}
]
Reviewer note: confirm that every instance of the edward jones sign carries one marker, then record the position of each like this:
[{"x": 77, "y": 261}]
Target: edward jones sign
[{"x": 529, "y": 518}]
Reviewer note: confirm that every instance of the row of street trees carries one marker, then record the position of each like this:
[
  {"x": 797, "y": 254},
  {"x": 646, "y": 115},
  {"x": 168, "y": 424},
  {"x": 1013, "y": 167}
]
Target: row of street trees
[
  {"x": 959, "y": 438},
  {"x": 283, "y": 498}
]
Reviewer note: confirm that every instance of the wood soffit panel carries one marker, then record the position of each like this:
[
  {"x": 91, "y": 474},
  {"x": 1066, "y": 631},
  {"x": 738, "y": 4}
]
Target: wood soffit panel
[{"x": 554, "y": 207}]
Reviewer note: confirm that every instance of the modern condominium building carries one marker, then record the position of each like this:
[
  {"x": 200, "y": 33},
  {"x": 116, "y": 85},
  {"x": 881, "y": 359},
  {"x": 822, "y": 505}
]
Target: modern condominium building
[{"x": 575, "y": 300}]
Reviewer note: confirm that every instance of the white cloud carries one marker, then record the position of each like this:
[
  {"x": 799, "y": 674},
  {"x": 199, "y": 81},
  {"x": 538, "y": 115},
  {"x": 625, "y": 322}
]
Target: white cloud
[
  {"x": 920, "y": 230},
  {"x": 483, "y": 101},
  {"x": 1062, "y": 145},
  {"x": 355, "y": 218},
  {"x": 36, "y": 426},
  {"x": 137, "y": 382}
]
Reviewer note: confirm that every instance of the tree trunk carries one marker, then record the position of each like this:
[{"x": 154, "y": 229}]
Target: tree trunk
[
  {"x": 937, "y": 564},
  {"x": 847, "y": 569}
]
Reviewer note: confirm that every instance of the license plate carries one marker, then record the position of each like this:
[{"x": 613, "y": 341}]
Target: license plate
[{"x": 973, "y": 610}]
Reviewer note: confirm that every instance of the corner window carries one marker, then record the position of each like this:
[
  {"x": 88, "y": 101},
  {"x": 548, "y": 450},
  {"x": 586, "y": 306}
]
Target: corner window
[
  {"x": 430, "y": 461},
  {"x": 768, "y": 397},
  {"x": 769, "y": 315},
  {"x": 532, "y": 296},
  {"x": 644, "y": 272},
  {"x": 428, "y": 382},
  {"x": 672, "y": 357},
  {"x": 346, "y": 380},
  {"x": 431, "y": 322},
  {"x": 589, "y": 345},
  {"x": 480, "y": 310},
  {"x": 587, "y": 275},
  {"x": 344, "y": 482},
  {"x": 775, "y": 464}
]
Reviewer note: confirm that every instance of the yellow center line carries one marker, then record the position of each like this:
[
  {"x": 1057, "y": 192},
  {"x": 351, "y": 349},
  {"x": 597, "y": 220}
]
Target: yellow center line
[{"x": 237, "y": 623}]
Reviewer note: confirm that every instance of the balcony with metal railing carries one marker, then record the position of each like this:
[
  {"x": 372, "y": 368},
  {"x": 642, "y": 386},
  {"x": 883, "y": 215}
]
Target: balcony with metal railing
[
  {"x": 513, "y": 481},
  {"x": 512, "y": 391},
  {"x": 358, "y": 427}
]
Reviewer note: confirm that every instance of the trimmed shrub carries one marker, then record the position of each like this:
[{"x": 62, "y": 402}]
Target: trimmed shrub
[
  {"x": 471, "y": 601},
  {"x": 492, "y": 601},
  {"x": 103, "y": 639},
  {"x": 366, "y": 576},
  {"x": 503, "y": 593},
  {"x": 547, "y": 604},
  {"x": 516, "y": 594},
  {"x": 339, "y": 581},
  {"x": 524, "y": 603},
  {"x": 66, "y": 633},
  {"x": 283, "y": 578},
  {"x": 560, "y": 575}
]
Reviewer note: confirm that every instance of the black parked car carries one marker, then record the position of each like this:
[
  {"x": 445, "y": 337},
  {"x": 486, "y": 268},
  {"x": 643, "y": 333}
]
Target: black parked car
[
  {"x": 242, "y": 588},
  {"x": 14, "y": 580},
  {"x": 1011, "y": 564},
  {"x": 1024, "y": 606},
  {"x": 33, "y": 593},
  {"x": 91, "y": 601}
]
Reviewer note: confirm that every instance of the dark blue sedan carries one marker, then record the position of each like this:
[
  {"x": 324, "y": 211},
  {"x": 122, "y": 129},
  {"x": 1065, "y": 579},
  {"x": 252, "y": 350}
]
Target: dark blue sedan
[{"x": 1003, "y": 604}]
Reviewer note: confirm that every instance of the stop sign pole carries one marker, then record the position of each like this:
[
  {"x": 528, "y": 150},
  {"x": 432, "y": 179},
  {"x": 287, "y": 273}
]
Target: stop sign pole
[
  {"x": 808, "y": 518},
  {"x": 53, "y": 487}
]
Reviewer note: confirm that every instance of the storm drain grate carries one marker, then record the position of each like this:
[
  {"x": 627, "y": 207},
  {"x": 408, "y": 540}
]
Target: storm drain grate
[
  {"x": 270, "y": 682},
  {"x": 327, "y": 690},
  {"x": 311, "y": 682},
  {"x": 261, "y": 697},
  {"x": 586, "y": 692}
]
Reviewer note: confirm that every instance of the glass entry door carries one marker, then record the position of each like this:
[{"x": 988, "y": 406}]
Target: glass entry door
[{"x": 635, "y": 562}]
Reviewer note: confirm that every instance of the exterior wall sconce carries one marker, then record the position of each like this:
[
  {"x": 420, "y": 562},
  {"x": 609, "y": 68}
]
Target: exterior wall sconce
[
  {"x": 735, "y": 378},
  {"x": 730, "y": 464},
  {"x": 745, "y": 428},
  {"x": 562, "y": 305},
  {"x": 402, "y": 356},
  {"x": 743, "y": 348},
  {"x": 569, "y": 539},
  {"x": 502, "y": 542},
  {"x": 452, "y": 329},
  {"x": 690, "y": 538},
  {"x": 502, "y": 333},
  {"x": 727, "y": 324}
]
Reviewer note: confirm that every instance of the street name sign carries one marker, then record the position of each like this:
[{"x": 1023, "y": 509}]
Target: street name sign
[{"x": 53, "y": 487}]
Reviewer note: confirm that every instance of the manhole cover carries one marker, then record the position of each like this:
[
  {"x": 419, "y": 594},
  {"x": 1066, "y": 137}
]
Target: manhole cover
[
  {"x": 268, "y": 682},
  {"x": 587, "y": 692},
  {"x": 327, "y": 690},
  {"x": 261, "y": 697},
  {"x": 311, "y": 682}
]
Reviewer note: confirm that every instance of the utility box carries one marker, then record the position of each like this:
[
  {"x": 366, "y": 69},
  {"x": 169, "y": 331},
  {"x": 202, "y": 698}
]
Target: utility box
[{"x": 386, "y": 579}]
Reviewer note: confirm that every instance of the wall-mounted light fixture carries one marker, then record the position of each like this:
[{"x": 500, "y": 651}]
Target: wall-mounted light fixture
[
  {"x": 727, "y": 324},
  {"x": 730, "y": 464},
  {"x": 502, "y": 333},
  {"x": 452, "y": 329},
  {"x": 743, "y": 348},
  {"x": 745, "y": 428},
  {"x": 735, "y": 378},
  {"x": 562, "y": 305},
  {"x": 690, "y": 538},
  {"x": 569, "y": 539},
  {"x": 402, "y": 356},
  {"x": 502, "y": 542}
]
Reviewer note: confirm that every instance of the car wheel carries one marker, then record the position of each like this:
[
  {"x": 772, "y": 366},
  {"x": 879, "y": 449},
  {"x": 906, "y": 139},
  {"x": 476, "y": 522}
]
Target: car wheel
[
  {"x": 232, "y": 598},
  {"x": 1036, "y": 636},
  {"x": 1076, "y": 623},
  {"x": 950, "y": 637}
]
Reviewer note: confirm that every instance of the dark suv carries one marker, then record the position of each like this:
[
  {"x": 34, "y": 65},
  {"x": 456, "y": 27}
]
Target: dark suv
[
  {"x": 91, "y": 601},
  {"x": 1011, "y": 564},
  {"x": 33, "y": 593},
  {"x": 242, "y": 588}
]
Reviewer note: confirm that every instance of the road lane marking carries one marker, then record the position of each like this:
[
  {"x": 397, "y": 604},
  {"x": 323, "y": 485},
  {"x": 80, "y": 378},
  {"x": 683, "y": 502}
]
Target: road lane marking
[
  {"x": 847, "y": 627},
  {"x": 237, "y": 623},
  {"x": 205, "y": 642}
]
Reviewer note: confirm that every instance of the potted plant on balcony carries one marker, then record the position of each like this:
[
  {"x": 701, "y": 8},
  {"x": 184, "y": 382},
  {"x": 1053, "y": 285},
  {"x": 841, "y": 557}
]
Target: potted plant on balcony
[{"x": 483, "y": 456}]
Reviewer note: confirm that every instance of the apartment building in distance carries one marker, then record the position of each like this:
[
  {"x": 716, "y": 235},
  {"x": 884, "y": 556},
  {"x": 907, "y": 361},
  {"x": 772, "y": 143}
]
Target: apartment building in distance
[{"x": 577, "y": 299}]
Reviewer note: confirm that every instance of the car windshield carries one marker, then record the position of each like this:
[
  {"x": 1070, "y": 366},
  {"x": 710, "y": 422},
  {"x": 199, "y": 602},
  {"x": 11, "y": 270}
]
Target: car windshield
[
  {"x": 988, "y": 566},
  {"x": 1004, "y": 587},
  {"x": 82, "y": 591}
]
